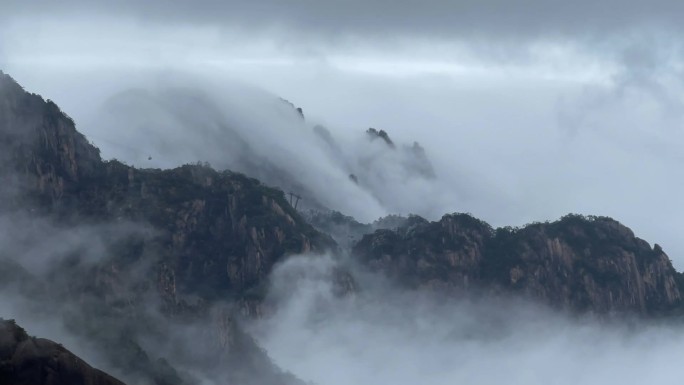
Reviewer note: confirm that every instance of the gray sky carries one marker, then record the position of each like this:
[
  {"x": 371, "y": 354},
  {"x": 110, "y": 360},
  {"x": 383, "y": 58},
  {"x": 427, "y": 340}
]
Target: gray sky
[
  {"x": 385, "y": 18},
  {"x": 528, "y": 109}
]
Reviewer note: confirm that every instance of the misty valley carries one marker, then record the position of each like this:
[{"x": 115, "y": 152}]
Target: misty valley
[{"x": 235, "y": 241}]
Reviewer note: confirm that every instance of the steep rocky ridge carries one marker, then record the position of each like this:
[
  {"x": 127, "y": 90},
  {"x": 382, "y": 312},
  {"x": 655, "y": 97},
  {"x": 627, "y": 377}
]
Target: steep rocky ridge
[
  {"x": 206, "y": 222},
  {"x": 26, "y": 360},
  {"x": 576, "y": 263},
  {"x": 193, "y": 239}
]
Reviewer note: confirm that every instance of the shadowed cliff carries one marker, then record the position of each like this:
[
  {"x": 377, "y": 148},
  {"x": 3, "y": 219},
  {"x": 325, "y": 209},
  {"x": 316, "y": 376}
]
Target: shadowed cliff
[
  {"x": 576, "y": 263},
  {"x": 182, "y": 242},
  {"x": 28, "y": 360}
]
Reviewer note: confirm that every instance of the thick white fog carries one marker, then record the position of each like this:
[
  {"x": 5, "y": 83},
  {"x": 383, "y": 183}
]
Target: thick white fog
[{"x": 388, "y": 336}]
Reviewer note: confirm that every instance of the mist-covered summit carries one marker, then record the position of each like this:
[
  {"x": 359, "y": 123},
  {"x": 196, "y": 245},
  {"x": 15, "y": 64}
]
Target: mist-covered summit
[
  {"x": 247, "y": 130},
  {"x": 125, "y": 257}
]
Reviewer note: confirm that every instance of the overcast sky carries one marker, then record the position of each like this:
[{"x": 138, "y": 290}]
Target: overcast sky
[{"x": 528, "y": 109}]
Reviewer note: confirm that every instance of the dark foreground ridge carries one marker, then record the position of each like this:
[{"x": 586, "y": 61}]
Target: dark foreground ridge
[{"x": 28, "y": 360}]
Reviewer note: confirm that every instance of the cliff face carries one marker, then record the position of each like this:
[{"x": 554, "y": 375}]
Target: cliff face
[
  {"x": 219, "y": 232},
  {"x": 42, "y": 144},
  {"x": 186, "y": 240},
  {"x": 576, "y": 263},
  {"x": 28, "y": 360}
]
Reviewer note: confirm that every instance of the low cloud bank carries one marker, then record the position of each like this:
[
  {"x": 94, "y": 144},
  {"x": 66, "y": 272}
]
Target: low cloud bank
[{"x": 386, "y": 336}]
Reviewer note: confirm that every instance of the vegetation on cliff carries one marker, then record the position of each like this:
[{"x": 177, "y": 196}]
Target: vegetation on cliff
[
  {"x": 577, "y": 263},
  {"x": 149, "y": 243}
]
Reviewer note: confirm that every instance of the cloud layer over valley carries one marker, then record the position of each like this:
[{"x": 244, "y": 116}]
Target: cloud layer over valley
[
  {"x": 385, "y": 335},
  {"x": 513, "y": 112}
]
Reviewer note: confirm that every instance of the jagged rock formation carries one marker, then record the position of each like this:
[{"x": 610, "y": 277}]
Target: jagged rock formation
[
  {"x": 577, "y": 263},
  {"x": 413, "y": 158},
  {"x": 299, "y": 110},
  {"x": 211, "y": 223},
  {"x": 28, "y": 360},
  {"x": 413, "y": 162},
  {"x": 382, "y": 134},
  {"x": 195, "y": 237}
]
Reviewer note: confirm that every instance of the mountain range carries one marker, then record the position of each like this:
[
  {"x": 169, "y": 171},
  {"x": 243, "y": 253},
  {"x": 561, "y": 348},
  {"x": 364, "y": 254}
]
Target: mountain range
[{"x": 158, "y": 273}]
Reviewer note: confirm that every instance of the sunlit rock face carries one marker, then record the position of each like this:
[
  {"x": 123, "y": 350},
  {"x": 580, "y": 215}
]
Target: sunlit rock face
[
  {"x": 576, "y": 263},
  {"x": 26, "y": 360}
]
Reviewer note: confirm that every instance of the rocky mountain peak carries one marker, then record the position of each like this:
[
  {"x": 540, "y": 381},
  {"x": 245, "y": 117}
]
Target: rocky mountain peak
[
  {"x": 381, "y": 134},
  {"x": 181, "y": 241},
  {"x": 40, "y": 145},
  {"x": 576, "y": 263}
]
